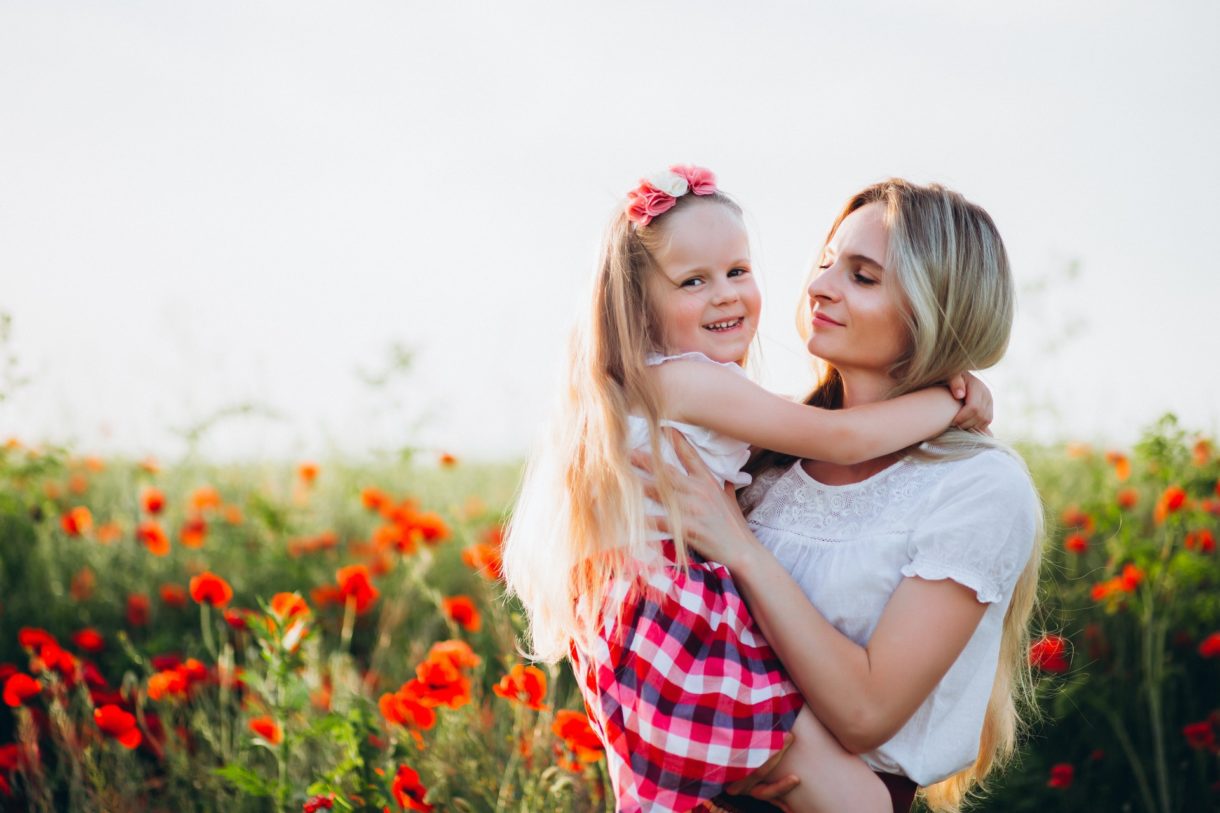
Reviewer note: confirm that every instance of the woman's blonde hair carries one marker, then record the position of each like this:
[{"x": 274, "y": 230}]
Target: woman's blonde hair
[
  {"x": 958, "y": 300},
  {"x": 579, "y": 520}
]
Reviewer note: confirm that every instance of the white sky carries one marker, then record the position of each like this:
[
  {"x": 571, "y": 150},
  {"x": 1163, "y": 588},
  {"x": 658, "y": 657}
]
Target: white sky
[{"x": 207, "y": 204}]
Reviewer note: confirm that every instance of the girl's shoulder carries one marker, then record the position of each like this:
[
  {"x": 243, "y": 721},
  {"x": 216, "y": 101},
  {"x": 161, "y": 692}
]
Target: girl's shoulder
[{"x": 657, "y": 359}]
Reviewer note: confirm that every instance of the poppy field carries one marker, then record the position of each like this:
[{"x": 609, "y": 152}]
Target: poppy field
[{"x": 333, "y": 636}]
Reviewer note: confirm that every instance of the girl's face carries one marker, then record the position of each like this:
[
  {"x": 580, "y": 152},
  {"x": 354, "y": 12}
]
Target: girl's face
[
  {"x": 705, "y": 295},
  {"x": 854, "y": 299}
]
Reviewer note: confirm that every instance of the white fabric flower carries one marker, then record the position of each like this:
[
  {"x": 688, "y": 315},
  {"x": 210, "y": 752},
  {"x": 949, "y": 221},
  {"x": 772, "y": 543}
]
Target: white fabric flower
[{"x": 671, "y": 183}]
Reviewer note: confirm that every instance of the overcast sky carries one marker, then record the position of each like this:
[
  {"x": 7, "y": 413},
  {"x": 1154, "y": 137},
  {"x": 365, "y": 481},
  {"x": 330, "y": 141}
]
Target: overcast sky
[{"x": 204, "y": 205}]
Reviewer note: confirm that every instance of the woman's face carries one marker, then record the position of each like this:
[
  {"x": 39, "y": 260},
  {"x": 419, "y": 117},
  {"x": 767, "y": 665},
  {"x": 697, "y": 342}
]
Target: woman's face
[{"x": 854, "y": 299}]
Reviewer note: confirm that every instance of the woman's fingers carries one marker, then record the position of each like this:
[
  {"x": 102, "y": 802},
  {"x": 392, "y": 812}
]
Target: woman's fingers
[
  {"x": 771, "y": 790},
  {"x": 690, "y": 459},
  {"x": 641, "y": 460}
]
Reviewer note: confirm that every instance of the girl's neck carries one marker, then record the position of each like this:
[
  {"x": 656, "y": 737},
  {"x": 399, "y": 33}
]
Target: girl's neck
[{"x": 859, "y": 387}]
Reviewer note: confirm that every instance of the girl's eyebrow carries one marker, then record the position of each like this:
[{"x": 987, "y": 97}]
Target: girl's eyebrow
[{"x": 700, "y": 269}]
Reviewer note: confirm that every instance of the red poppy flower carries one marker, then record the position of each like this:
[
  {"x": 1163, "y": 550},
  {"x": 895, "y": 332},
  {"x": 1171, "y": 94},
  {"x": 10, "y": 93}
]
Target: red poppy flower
[
  {"x": 308, "y": 472},
  {"x": 405, "y": 709},
  {"x": 286, "y": 606},
  {"x": 439, "y": 683},
  {"x": 20, "y": 688},
  {"x": 1210, "y": 646},
  {"x": 204, "y": 498},
  {"x": 1121, "y": 464},
  {"x": 137, "y": 610},
  {"x": 462, "y": 610},
  {"x": 1062, "y": 776},
  {"x": 168, "y": 683},
  {"x": 268, "y": 729},
  {"x": 354, "y": 582},
  {"x": 1202, "y": 451},
  {"x": 1049, "y": 653},
  {"x": 89, "y": 639},
  {"x": 1127, "y": 498},
  {"x": 153, "y": 536},
  {"x": 374, "y": 498},
  {"x": 1073, "y": 517},
  {"x": 574, "y": 729},
  {"x": 484, "y": 559},
  {"x": 152, "y": 499},
  {"x": 119, "y": 724},
  {"x": 1076, "y": 543},
  {"x": 1202, "y": 540},
  {"x": 456, "y": 652},
  {"x": 408, "y": 791},
  {"x": 1131, "y": 577},
  {"x": 193, "y": 532},
  {"x": 447, "y": 460},
  {"x": 32, "y": 638},
  {"x": 1170, "y": 502},
  {"x": 109, "y": 532},
  {"x": 523, "y": 684},
  {"x": 173, "y": 595},
  {"x": 315, "y": 803},
  {"x": 1200, "y": 735},
  {"x": 77, "y": 522},
  {"x": 83, "y": 582},
  {"x": 209, "y": 588}
]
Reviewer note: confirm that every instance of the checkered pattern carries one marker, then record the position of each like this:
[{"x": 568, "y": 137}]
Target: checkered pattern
[{"x": 683, "y": 690}]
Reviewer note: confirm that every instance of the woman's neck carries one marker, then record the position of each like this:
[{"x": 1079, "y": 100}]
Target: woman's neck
[{"x": 859, "y": 387}]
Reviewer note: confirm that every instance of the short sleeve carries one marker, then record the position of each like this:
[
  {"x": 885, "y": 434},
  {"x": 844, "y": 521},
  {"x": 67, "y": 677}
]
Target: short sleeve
[{"x": 979, "y": 526}]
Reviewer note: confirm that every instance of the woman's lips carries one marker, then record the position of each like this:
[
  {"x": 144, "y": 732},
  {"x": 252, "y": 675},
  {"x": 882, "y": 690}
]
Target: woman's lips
[{"x": 823, "y": 319}]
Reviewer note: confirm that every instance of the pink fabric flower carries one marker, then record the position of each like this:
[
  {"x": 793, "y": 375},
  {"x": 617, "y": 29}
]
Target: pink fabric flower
[
  {"x": 700, "y": 180},
  {"x": 644, "y": 203}
]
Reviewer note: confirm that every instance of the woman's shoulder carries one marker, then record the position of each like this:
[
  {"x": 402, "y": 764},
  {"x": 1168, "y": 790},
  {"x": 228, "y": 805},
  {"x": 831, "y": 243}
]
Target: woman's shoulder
[{"x": 995, "y": 470}]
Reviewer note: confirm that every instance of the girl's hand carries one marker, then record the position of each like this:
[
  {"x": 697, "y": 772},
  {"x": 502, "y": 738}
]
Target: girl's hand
[
  {"x": 712, "y": 523},
  {"x": 976, "y": 413}
]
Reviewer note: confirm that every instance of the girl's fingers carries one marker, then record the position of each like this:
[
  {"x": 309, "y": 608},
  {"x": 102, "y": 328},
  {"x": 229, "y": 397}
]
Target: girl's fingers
[
  {"x": 957, "y": 386},
  {"x": 641, "y": 460}
]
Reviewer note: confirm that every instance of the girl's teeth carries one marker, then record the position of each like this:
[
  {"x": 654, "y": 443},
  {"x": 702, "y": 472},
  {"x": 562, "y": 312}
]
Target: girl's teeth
[{"x": 724, "y": 325}]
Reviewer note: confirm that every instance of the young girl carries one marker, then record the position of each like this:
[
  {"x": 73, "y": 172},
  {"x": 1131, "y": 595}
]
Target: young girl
[{"x": 678, "y": 682}]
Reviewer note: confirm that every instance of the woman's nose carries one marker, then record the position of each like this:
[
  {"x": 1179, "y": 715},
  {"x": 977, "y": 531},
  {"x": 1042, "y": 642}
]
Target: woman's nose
[{"x": 822, "y": 285}]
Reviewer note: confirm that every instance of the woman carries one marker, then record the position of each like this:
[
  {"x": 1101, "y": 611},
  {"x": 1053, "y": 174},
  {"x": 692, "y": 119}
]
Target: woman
[{"x": 896, "y": 592}]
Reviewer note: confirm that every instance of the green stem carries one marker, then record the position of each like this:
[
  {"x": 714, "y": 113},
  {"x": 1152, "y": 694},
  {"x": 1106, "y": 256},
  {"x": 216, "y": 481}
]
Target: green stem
[
  {"x": 1141, "y": 779},
  {"x": 1154, "y": 642},
  {"x": 349, "y": 623},
  {"x": 205, "y": 624},
  {"x": 513, "y": 759}
]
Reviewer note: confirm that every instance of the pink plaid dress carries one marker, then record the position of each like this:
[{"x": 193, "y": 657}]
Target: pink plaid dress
[{"x": 684, "y": 691}]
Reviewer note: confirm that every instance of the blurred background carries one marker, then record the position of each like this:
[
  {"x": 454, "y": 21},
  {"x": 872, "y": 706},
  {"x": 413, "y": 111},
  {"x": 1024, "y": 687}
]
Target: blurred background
[{"x": 292, "y": 230}]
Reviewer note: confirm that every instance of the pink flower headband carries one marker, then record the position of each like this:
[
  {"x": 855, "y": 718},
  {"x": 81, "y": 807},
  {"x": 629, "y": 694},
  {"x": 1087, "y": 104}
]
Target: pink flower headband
[{"x": 658, "y": 193}]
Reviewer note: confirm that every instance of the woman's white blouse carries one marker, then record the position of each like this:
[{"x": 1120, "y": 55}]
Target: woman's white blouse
[{"x": 849, "y": 546}]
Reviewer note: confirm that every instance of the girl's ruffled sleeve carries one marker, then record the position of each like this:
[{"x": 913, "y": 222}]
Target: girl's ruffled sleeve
[{"x": 979, "y": 527}]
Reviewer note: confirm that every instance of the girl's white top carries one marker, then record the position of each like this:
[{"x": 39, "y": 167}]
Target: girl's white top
[
  {"x": 849, "y": 546},
  {"x": 724, "y": 455}
]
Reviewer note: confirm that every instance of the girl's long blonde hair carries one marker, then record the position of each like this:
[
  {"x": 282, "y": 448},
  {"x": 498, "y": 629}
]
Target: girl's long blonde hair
[
  {"x": 579, "y": 520},
  {"x": 955, "y": 282}
]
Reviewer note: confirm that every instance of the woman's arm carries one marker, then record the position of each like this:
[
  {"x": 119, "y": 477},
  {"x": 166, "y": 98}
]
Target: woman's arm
[
  {"x": 863, "y": 694},
  {"x": 707, "y": 395}
]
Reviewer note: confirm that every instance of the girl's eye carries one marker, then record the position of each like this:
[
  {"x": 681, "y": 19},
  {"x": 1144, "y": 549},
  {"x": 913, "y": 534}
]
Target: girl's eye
[
  {"x": 824, "y": 266},
  {"x": 691, "y": 283},
  {"x": 737, "y": 272},
  {"x": 863, "y": 280}
]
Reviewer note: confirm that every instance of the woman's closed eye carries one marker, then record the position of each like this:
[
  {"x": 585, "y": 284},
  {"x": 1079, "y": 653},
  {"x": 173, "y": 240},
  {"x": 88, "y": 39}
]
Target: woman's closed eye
[{"x": 862, "y": 279}]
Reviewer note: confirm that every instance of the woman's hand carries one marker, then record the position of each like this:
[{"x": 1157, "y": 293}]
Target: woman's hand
[
  {"x": 712, "y": 523},
  {"x": 977, "y": 412}
]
